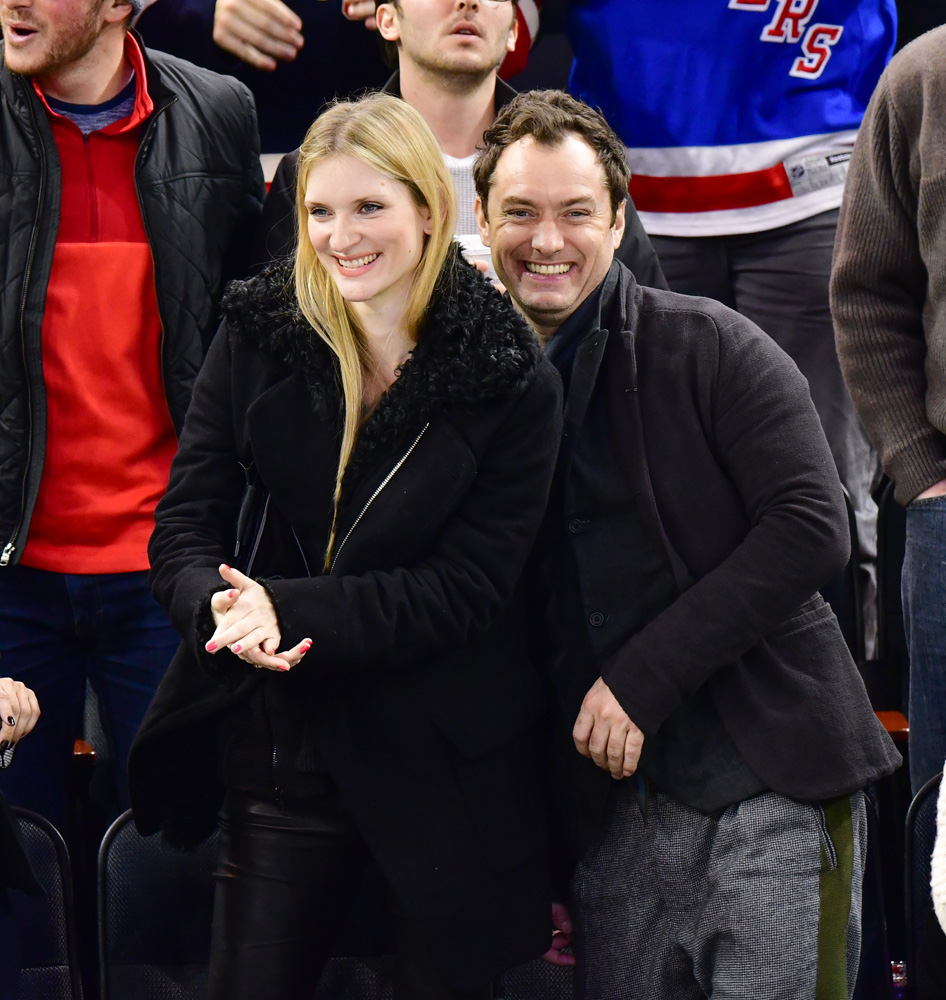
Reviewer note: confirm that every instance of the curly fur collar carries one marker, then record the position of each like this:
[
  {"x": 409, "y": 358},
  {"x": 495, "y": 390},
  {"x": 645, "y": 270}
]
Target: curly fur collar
[{"x": 473, "y": 347}]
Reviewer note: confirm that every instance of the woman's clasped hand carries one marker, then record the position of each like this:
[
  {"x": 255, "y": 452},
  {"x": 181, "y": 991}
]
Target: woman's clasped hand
[{"x": 247, "y": 624}]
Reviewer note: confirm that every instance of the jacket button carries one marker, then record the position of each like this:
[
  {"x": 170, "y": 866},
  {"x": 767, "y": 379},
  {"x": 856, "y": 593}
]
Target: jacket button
[
  {"x": 596, "y": 619},
  {"x": 576, "y": 525}
]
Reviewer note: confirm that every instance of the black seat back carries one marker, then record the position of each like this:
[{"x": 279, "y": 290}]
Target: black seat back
[
  {"x": 920, "y": 836},
  {"x": 46, "y": 923},
  {"x": 155, "y": 907}
]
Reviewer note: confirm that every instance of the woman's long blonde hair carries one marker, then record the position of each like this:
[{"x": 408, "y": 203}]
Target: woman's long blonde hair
[{"x": 389, "y": 135}]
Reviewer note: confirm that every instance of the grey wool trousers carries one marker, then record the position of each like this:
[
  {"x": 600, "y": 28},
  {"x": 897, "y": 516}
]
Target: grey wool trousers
[{"x": 762, "y": 902}]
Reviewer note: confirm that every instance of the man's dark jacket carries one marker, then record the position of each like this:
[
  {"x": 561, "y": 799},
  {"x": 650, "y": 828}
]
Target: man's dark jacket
[
  {"x": 277, "y": 231},
  {"x": 200, "y": 188},
  {"x": 713, "y": 428}
]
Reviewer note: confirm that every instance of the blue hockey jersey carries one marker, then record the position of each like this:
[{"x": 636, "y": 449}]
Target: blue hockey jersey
[{"x": 739, "y": 115}]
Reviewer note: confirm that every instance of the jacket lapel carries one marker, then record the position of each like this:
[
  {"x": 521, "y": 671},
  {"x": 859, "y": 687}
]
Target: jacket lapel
[
  {"x": 626, "y": 420},
  {"x": 584, "y": 377},
  {"x": 473, "y": 348},
  {"x": 284, "y": 421}
]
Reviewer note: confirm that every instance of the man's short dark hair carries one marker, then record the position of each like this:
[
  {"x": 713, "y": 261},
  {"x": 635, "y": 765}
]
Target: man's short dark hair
[{"x": 550, "y": 116}]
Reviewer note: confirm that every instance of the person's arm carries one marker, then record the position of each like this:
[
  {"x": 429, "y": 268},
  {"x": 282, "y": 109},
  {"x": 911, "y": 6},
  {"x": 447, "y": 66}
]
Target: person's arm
[
  {"x": 768, "y": 440},
  {"x": 241, "y": 252},
  {"x": 276, "y": 230},
  {"x": 260, "y": 32},
  {"x": 184, "y": 28},
  {"x": 878, "y": 294},
  {"x": 561, "y": 937},
  {"x": 196, "y": 519},
  {"x": 19, "y": 713},
  {"x": 361, "y": 10},
  {"x": 637, "y": 253},
  {"x": 395, "y": 616}
]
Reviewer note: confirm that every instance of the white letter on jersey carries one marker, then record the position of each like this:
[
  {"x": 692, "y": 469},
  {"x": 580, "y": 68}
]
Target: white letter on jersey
[{"x": 789, "y": 21}]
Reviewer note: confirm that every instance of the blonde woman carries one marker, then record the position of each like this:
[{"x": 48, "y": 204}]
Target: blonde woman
[{"x": 373, "y": 435}]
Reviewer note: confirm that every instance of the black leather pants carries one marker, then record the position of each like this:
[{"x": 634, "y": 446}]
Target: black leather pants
[{"x": 285, "y": 879}]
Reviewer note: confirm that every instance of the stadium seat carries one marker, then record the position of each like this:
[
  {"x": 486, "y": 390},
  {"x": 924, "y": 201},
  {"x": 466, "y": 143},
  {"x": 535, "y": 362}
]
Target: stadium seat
[
  {"x": 155, "y": 911},
  {"x": 920, "y": 836},
  {"x": 46, "y": 923}
]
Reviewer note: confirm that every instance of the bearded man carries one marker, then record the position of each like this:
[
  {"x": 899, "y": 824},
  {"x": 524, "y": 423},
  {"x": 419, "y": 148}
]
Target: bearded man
[{"x": 129, "y": 185}]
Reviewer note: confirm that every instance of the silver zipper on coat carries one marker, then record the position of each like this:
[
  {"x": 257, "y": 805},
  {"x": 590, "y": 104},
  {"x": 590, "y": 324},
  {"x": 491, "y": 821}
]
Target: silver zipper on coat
[
  {"x": 305, "y": 562},
  {"x": 10, "y": 547},
  {"x": 259, "y": 537},
  {"x": 373, "y": 497}
]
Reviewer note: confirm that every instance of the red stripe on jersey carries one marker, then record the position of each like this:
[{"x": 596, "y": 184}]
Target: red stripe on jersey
[{"x": 710, "y": 194}]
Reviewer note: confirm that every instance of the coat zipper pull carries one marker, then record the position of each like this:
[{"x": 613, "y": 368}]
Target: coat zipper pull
[{"x": 8, "y": 551}]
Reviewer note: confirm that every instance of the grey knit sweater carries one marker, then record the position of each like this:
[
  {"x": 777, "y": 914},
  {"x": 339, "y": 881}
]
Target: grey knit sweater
[{"x": 888, "y": 288}]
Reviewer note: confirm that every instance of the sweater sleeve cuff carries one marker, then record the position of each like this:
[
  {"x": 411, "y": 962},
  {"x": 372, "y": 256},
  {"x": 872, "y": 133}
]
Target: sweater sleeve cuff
[{"x": 917, "y": 470}]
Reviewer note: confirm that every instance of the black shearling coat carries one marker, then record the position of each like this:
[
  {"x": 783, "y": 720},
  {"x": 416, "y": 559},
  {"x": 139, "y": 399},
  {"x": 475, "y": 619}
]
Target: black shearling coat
[{"x": 419, "y": 683}]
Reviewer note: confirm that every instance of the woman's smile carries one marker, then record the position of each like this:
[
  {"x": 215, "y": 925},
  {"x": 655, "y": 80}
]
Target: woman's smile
[
  {"x": 367, "y": 230},
  {"x": 353, "y": 263}
]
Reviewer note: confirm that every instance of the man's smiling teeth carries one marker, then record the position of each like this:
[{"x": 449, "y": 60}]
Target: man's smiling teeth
[
  {"x": 547, "y": 268},
  {"x": 357, "y": 261}
]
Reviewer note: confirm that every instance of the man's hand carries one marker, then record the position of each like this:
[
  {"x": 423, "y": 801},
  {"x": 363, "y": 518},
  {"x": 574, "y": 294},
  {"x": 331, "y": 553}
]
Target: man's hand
[
  {"x": 604, "y": 733},
  {"x": 361, "y": 10},
  {"x": 936, "y": 490},
  {"x": 246, "y": 624},
  {"x": 258, "y": 31},
  {"x": 561, "y": 937},
  {"x": 483, "y": 268}
]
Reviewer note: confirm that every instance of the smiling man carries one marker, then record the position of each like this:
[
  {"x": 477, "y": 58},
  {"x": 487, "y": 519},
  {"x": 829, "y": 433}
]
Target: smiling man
[
  {"x": 448, "y": 54},
  {"x": 129, "y": 183},
  {"x": 715, "y": 734}
]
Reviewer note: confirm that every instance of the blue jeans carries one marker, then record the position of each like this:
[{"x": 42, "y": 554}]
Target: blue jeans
[
  {"x": 57, "y": 631},
  {"x": 924, "y": 621}
]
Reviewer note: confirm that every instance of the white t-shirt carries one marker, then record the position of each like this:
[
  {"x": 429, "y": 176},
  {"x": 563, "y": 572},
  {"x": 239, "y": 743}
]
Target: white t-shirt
[{"x": 466, "y": 232}]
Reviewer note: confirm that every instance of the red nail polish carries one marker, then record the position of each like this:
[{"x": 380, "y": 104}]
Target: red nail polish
[
  {"x": 237, "y": 648},
  {"x": 225, "y": 566},
  {"x": 231, "y": 594},
  {"x": 210, "y": 647}
]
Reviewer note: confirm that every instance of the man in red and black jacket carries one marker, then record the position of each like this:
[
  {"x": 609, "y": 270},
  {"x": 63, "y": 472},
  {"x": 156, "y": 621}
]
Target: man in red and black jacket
[{"x": 128, "y": 183}]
